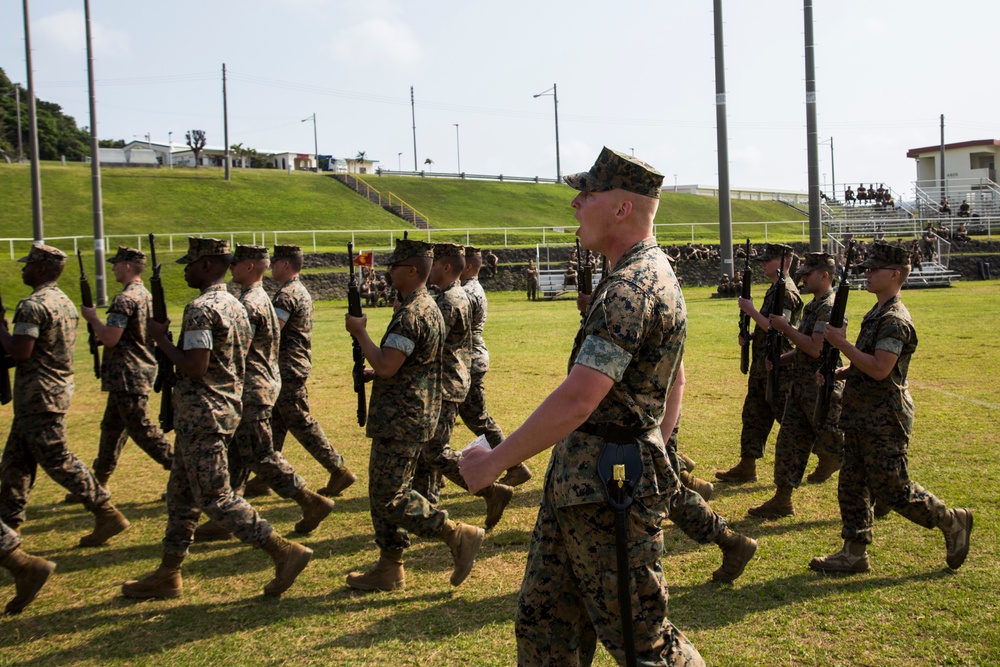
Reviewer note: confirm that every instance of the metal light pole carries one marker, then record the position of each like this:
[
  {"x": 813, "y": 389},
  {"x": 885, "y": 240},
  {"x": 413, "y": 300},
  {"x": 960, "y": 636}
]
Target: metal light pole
[
  {"x": 555, "y": 106},
  {"x": 722, "y": 143},
  {"x": 17, "y": 99},
  {"x": 36, "y": 178},
  {"x": 315, "y": 140},
  {"x": 95, "y": 173},
  {"x": 399, "y": 161},
  {"x": 170, "y": 149},
  {"x": 413, "y": 115},
  {"x": 458, "y": 149},
  {"x": 833, "y": 171},
  {"x": 812, "y": 150},
  {"x": 225, "y": 121}
]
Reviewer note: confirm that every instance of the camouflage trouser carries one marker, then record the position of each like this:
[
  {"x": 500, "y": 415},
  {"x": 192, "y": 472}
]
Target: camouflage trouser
[
  {"x": 199, "y": 482},
  {"x": 127, "y": 416},
  {"x": 437, "y": 458},
  {"x": 251, "y": 450},
  {"x": 759, "y": 416},
  {"x": 876, "y": 466},
  {"x": 396, "y": 508},
  {"x": 798, "y": 436},
  {"x": 569, "y": 596},
  {"x": 474, "y": 414},
  {"x": 40, "y": 439},
  {"x": 9, "y": 539},
  {"x": 291, "y": 413},
  {"x": 688, "y": 510}
]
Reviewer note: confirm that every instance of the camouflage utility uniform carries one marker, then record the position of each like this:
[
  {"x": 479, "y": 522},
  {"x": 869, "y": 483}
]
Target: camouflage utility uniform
[
  {"x": 633, "y": 331},
  {"x": 206, "y": 413},
  {"x": 759, "y": 415},
  {"x": 294, "y": 307},
  {"x": 127, "y": 374},
  {"x": 798, "y": 435},
  {"x": 689, "y": 511},
  {"x": 473, "y": 409},
  {"x": 43, "y": 387},
  {"x": 252, "y": 447},
  {"x": 402, "y": 415}
]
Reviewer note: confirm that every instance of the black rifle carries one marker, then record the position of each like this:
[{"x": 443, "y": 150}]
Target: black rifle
[
  {"x": 744, "y": 317},
  {"x": 830, "y": 355},
  {"x": 87, "y": 297},
  {"x": 772, "y": 346},
  {"x": 165, "y": 378},
  {"x": 5, "y": 364},
  {"x": 354, "y": 310}
]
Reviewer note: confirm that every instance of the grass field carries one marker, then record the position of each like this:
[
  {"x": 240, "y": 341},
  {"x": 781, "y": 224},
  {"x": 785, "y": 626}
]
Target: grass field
[{"x": 909, "y": 610}]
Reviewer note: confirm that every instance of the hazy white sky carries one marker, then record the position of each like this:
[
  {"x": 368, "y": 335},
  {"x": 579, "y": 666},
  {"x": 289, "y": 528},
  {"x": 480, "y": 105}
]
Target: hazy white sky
[{"x": 636, "y": 74}]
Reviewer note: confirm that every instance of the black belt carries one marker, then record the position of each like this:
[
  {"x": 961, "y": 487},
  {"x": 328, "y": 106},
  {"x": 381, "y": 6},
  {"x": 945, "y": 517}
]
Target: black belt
[{"x": 612, "y": 432}]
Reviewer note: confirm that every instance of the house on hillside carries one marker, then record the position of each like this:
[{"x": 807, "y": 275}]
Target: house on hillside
[
  {"x": 181, "y": 155},
  {"x": 360, "y": 165},
  {"x": 962, "y": 161}
]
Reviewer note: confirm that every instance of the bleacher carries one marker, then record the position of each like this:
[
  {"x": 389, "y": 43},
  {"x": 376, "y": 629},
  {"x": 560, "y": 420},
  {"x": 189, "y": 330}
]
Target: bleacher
[{"x": 552, "y": 283}]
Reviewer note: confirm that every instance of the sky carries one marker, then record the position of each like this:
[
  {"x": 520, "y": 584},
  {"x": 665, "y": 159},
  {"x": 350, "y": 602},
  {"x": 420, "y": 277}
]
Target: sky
[{"x": 636, "y": 75}]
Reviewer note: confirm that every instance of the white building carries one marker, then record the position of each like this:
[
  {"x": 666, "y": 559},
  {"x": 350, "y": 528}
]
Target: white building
[{"x": 963, "y": 161}]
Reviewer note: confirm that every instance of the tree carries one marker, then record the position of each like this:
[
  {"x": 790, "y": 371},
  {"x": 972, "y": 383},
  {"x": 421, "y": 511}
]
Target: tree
[
  {"x": 196, "y": 140},
  {"x": 239, "y": 152},
  {"x": 430, "y": 164},
  {"x": 361, "y": 156}
]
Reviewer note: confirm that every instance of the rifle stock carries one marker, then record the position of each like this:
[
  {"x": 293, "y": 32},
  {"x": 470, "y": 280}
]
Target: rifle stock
[
  {"x": 165, "y": 378},
  {"x": 354, "y": 310},
  {"x": 830, "y": 355},
  {"x": 5, "y": 393},
  {"x": 773, "y": 345},
  {"x": 745, "y": 318},
  {"x": 87, "y": 298}
]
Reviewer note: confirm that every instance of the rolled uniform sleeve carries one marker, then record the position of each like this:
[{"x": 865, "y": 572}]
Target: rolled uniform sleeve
[{"x": 399, "y": 342}]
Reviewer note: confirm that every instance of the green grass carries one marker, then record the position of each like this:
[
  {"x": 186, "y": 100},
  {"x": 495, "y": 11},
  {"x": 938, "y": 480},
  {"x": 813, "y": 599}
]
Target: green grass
[{"x": 908, "y": 611}]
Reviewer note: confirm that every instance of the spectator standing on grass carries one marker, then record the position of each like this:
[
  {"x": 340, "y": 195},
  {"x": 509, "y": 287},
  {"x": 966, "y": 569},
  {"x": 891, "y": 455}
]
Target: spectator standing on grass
[
  {"x": 877, "y": 422},
  {"x": 532, "y": 273},
  {"x": 621, "y": 371},
  {"x": 491, "y": 262}
]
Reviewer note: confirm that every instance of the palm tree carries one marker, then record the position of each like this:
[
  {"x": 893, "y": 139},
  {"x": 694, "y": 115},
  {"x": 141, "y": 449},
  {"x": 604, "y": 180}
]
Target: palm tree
[{"x": 430, "y": 164}]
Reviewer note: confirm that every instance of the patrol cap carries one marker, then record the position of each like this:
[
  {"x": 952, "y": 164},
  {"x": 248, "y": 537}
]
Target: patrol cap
[
  {"x": 472, "y": 251},
  {"x": 881, "y": 255},
  {"x": 247, "y": 251},
  {"x": 407, "y": 248},
  {"x": 45, "y": 253},
  {"x": 617, "y": 170},
  {"x": 126, "y": 254},
  {"x": 816, "y": 260},
  {"x": 448, "y": 250},
  {"x": 774, "y": 251},
  {"x": 201, "y": 247},
  {"x": 286, "y": 252}
]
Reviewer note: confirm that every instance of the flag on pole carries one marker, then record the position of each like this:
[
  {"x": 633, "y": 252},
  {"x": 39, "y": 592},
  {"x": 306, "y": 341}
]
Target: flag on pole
[{"x": 365, "y": 259}]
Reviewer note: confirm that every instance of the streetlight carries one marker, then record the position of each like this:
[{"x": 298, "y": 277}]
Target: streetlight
[
  {"x": 170, "y": 149},
  {"x": 458, "y": 149},
  {"x": 833, "y": 172},
  {"x": 555, "y": 106},
  {"x": 17, "y": 102},
  {"x": 399, "y": 161},
  {"x": 315, "y": 141},
  {"x": 675, "y": 183},
  {"x": 632, "y": 150}
]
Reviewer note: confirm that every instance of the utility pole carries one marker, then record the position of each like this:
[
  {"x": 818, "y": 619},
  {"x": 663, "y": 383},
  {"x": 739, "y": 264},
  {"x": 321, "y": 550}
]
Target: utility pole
[
  {"x": 17, "y": 99},
  {"x": 225, "y": 119},
  {"x": 944, "y": 183},
  {"x": 95, "y": 172},
  {"x": 722, "y": 141},
  {"x": 555, "y": 106},
  {"x": 812, "y": 148},
  {"x": 413, "y": 114},
  {"x": 315, "y": 141},
  {"x": 36, "y": 178}
]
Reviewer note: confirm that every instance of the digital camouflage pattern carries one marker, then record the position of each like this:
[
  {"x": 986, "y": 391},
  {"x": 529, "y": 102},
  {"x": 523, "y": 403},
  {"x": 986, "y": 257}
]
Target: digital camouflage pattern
[
  {"x": 291, "y": 414},
  {"x": 130, "y": 366},
  {"x": 457, "y": 357},
  {"x": 252, "y": 450},
  {"x": 883, "y": 255},
  {"x": 203, "y": 247},
  {"x": 126, "y": 254},
  {"x": 127, "y": 416},
  {"x": 45, "y": 253},
  {"x": 262, "y": 380},
  {"x": 44, "y": 382},
  {"x": 616, "y": 170},
  {"x": 798, "y": 435},
  {"x": 407, "y": 405},
  {"x": 473, "y": 410},
  {"x": 294, "y": 307},
  {"x": 479, "y": 310},
  {"x": 475, "y": 415},
  {"x": 437, "y": 458},
  {"x": 689, "y": 511},
  {"x": 9, "y": 539},
  {"x": 792, "y": 311}
]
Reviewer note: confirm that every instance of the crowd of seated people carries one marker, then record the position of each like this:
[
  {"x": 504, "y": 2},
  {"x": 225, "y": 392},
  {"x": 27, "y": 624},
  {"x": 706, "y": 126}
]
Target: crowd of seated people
[
  {"x": 730, "y": 287},
  {"x": 693, "y": 252},
  {"x": 376, "y": 290},
  {"x": 880, "y": 197}
]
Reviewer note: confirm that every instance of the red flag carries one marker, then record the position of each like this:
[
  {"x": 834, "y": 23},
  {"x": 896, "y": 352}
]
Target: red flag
[{"x": 365, "y": 259}]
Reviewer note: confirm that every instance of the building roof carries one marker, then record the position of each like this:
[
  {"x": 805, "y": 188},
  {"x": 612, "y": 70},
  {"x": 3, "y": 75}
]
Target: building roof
[{"x": 917, "y": 152}]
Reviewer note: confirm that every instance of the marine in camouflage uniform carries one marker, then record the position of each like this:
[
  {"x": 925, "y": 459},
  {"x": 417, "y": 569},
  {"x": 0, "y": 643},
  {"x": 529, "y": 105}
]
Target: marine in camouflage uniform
[
  {"x": 402, "y": 415},
  {"x": 473, "y": 409},
  {"x": 30, "y": 572},
  {"x": 438, "y": 458},
  {"x": 759, "y": 415},
  {"x": 211, "y": 362},
  {"x": 42, "y": 344},
  {"x": 877, "y": 421},
  {"x": 128, "y": 369},
  {"x": 621, "y": 370},
  {"x": 798, "y": 434},
  {"x": 294, "y": 307}
]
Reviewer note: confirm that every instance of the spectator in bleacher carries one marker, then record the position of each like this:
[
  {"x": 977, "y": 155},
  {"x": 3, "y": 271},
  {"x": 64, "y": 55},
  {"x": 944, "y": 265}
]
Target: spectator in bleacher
[
  {"x": 532, "y": 274},
  {"x": 674, "y": 253},
  {"x": 569, "y": 278},
  {"x": 847, "y": 236},
  {"x": 849, "y": 196},
  {"x": 964, "y": 209},
  {"x": 944, "y": 208},
  {"x": 690, "y": 252},
  {"x": 961, "y": 233},
  {"x": 879, "y": 232},
  {"x": 915, "y": 255},
  {"x": 862, "y": 193},
  {"x": 880, "y": 194},
  {"x": 942, "y": 231},
  {"x": 725, "y": 287}
]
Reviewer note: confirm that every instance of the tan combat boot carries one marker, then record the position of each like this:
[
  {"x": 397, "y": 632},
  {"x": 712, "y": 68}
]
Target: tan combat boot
[
  {"x": 210, "y": 531},
  {"x": 744, "y": 471},
  {"x": 775, "y": 508},
  {"x": 852, "y": 558},
  {"x": 163, "y": 583},
  {"x": 825, "y": 468},
  {"x": 464, "y": 542},
  {"x": 497, "y": 497},
  {"x": 315, "y": 508},
  {"x": 290, "y": 558},
  {"x": 340, "y": 479},
  {"x": 699, "y": 486},
  {"x": 387, "y": 575},
  {"x": 957, "y": 527},
  {"x": 689, "y": 463},
  {"x": 108, "y": 522},
  {"x": 30, "y": 574},
  {"x": 737, "y": 550},
  {"x": 516, "y": 476}
]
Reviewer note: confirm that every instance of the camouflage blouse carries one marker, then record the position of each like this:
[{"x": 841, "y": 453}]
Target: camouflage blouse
[
  {"x": 406, "y": 406},
  {"x": 214, "y": 321},
  {"x": 792, "y": 310},
  {"x": 130, "y": 366},
  {"x": 814, "y": 318},
  {"x": 882, "y": 407},
  {"x": 477, "y": 301},
  {"x": 294, "y": 307},
  {"x": 44, "y": 383},
  {"x": 455, "y": 376},
  {"x": 262, "y": 380},
  {"x": 633, "y": 332}
]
